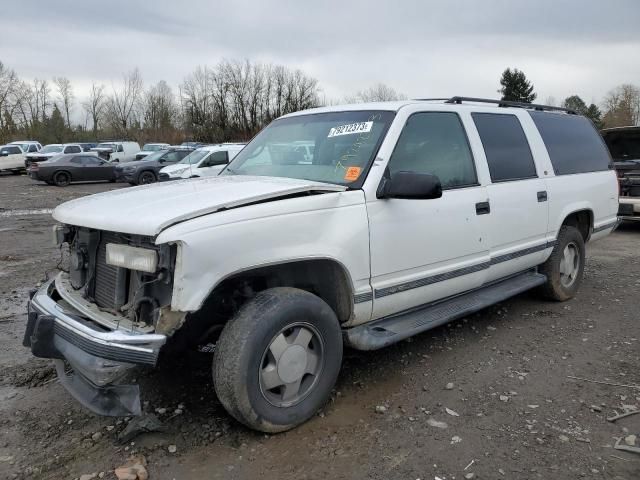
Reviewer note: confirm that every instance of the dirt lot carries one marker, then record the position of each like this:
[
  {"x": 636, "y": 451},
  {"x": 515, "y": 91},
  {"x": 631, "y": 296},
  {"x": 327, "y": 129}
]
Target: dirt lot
[{"x": 511, "y": 411}]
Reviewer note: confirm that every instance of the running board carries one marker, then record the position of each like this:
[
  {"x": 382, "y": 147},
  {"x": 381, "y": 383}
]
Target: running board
[{"x": 388, "y": 330}]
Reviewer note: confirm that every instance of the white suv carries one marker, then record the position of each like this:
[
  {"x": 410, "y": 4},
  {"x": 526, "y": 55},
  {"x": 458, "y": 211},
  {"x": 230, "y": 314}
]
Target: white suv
[
  {"x": 407, "y": 215},
  {"x": 206, "y": 161}
]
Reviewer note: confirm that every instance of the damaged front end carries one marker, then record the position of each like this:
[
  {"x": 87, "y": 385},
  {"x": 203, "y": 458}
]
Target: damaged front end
[{"x": 108, "y": 313}]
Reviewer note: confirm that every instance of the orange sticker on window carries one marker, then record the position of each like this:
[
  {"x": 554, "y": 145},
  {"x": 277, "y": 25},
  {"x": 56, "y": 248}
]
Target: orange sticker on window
[{"x": 352, "y": 174}]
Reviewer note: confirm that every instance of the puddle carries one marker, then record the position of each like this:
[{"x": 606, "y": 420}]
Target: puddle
[{"x": 22, "y": 213}]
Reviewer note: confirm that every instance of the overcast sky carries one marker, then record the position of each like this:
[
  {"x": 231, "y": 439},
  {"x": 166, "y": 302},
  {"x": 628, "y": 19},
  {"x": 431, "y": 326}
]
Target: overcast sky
[{"x": 421, "y": 48}]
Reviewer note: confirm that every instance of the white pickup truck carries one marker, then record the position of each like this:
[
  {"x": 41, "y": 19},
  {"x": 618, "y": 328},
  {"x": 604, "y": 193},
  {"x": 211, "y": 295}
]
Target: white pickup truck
[{"x": 402, "y": 217}]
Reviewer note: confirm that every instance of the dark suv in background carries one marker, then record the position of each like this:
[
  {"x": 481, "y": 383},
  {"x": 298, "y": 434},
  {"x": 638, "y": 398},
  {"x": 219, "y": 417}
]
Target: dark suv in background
[
  {"x": 624, "y": 145},
  {"x": 141, "y": 172}
]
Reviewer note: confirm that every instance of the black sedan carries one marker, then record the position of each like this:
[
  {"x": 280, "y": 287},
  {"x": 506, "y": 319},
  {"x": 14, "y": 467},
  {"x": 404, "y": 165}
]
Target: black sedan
[
  {"x": 61, "y": 170},
  {"x": 141, "y": 172}
]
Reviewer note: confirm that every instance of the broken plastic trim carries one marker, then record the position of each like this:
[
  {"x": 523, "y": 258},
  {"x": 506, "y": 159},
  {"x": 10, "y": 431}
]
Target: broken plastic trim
[{"x": 110, "y": 400}]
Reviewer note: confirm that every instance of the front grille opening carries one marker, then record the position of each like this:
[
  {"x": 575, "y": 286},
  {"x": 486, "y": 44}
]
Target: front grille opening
[{"x": 111, "y": 284}]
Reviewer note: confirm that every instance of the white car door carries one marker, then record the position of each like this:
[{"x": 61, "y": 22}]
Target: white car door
[
  {"x": 517, "y": 195},
  {"x": 426, "y": 250}
]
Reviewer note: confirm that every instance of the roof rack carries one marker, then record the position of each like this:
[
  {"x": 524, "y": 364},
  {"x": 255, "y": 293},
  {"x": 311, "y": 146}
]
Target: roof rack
[{"x": 508, "y": 103}]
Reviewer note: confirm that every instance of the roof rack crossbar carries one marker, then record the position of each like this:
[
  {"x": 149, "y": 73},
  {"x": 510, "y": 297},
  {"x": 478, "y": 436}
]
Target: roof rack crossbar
[{"x": 508, "y": 103}]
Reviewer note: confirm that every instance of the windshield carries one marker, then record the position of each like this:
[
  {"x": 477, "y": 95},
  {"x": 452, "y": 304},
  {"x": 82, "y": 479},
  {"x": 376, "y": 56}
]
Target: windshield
[
  {"x": 152, "y": 147},
  {"x": 335, "y": 147},
  {"x": 112, "y": 146},
  {"x": 51, "y": 149},
  {"x": 154, "y": 156},
  {"x": 194, "y": 157}
]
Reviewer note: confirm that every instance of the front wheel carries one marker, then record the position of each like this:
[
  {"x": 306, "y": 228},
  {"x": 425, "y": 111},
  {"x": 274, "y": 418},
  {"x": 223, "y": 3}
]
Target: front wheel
[
  {"x": 277, "y": 360},
  {"x": 146, "y": 177},
  {"x": 565, "y": 267}
]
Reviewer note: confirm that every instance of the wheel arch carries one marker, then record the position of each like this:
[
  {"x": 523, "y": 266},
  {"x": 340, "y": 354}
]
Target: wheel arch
[
  {"x": 582, "y": 220},
  {"x": 326, "y": 278}
]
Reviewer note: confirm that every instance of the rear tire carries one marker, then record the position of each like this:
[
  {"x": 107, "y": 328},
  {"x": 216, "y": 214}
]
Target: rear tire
[
  {"x": 62, "y": 179},
  {"x": 565, "y": 267},
  {"x": 277, "y": 360}
]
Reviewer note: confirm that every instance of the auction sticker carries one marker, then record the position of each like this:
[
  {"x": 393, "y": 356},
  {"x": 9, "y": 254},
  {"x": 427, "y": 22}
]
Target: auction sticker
[
  {"x": 360, "y": 127},
  {"x": 352, "y": 174}
]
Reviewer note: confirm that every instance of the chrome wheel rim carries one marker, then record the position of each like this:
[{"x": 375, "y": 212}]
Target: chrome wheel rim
[
  {"x": 291, "y": 365},
  {"x": 569, "y": 264}
]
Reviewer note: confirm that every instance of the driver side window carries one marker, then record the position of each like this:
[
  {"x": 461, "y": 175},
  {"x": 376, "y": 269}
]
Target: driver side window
[
  {"x": 435, "y": 143},
  {"x": 216, "y": 158}
]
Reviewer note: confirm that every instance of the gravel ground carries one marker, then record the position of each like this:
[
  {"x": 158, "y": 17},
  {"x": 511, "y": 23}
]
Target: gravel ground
[{"x": 487, "y": 397}]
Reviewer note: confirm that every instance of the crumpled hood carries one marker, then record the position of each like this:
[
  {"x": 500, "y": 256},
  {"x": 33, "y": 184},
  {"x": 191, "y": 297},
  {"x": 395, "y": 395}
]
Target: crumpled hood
[{"x": 148, "y": 209}]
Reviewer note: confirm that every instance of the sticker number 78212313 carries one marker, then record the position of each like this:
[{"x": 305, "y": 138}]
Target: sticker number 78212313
[{"x": 360, "y": 127}]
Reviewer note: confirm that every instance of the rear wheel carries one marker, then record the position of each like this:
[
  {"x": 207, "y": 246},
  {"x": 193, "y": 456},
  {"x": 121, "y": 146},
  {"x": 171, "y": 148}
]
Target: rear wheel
[
  {"x": 277, "y": 360},
  {"x": 565, "y": 267},
  {"x": 146, "y": 177},
  {"x": 62, "y": 179}
]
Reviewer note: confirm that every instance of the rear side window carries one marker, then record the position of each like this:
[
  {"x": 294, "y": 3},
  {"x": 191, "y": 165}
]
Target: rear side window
[
  {"x": 573, "y": 143},
  {"x": 435, "y": 143},
  {"x": 72, "y": 149},
  {"x": 506, "y": 147}
]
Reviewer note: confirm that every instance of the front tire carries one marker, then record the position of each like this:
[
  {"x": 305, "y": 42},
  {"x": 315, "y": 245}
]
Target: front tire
[
  {"x": 146, "y": 177},
  {"x": 565, "y": 267},
  {"x": 277, "y": 360}
]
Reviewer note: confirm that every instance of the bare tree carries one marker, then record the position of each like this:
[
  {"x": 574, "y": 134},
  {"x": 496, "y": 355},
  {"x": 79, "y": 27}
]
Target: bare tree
[
  {"x": 65, "y": 94},
  {"x": 95, "y": 105},
  {"x": 125, "y": 101},
  {"x": 377, "y": 93},
  {"x": 159, "y": 110},
  {"x": 622, "y": 106}
]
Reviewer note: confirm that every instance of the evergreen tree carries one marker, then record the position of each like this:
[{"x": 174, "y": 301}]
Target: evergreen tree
[
  {"x": 56, "y": 127},
  {"x": 575, "y": 103},
  {"x": 595, "y": 115},
  {"x": 516, "y": 87}
]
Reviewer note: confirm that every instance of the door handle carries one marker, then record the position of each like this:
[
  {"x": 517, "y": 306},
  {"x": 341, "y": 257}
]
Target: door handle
[
  {"x": 483, "y": 208},
  {"x": 542, "y": 196}
]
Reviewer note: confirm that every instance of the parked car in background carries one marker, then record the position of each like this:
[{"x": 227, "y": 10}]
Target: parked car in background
[
  {"x": 28, "y": 146},
  {"x": 204, "y": 162},
  {"x": 51, "y": 150},
  {"x": 149, "y": 148},
  {"x": 146, "y": 170},
  {"x": 12, "y": 159},
  {"x": 63, "y": 169},
  {"x": 624, "y": 146},
  {"x": 117, "y": 151},
  {"x": 192, "y": 144},
  {"x": 86, "y": 147}
]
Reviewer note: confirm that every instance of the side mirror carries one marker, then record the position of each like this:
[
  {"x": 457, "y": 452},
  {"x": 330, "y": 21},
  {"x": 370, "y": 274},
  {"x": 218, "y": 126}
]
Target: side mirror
[{"x": 410, "y": 186}]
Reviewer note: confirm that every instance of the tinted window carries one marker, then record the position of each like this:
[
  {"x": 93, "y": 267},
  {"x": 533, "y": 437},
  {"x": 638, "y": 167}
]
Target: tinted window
[
  {"x": 573, "y": 143},
  {"x": 89, "y": 160},
  {"x": 72, "y": 149},
  {"x": 33, "y": 148},
  {"x": 435, "y": 143},
  {"x": 77, "y": 160},
  {"x": 506, "y": 147},
  {"x": 216, "y": 158},
  {"x": 173, "y": 156}
]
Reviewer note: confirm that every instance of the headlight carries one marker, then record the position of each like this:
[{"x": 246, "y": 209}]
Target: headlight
[
  {"x": 59, "y": 234},
  {"x": 133, "y": 258},
  {"x": 128, "y": 169}
]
